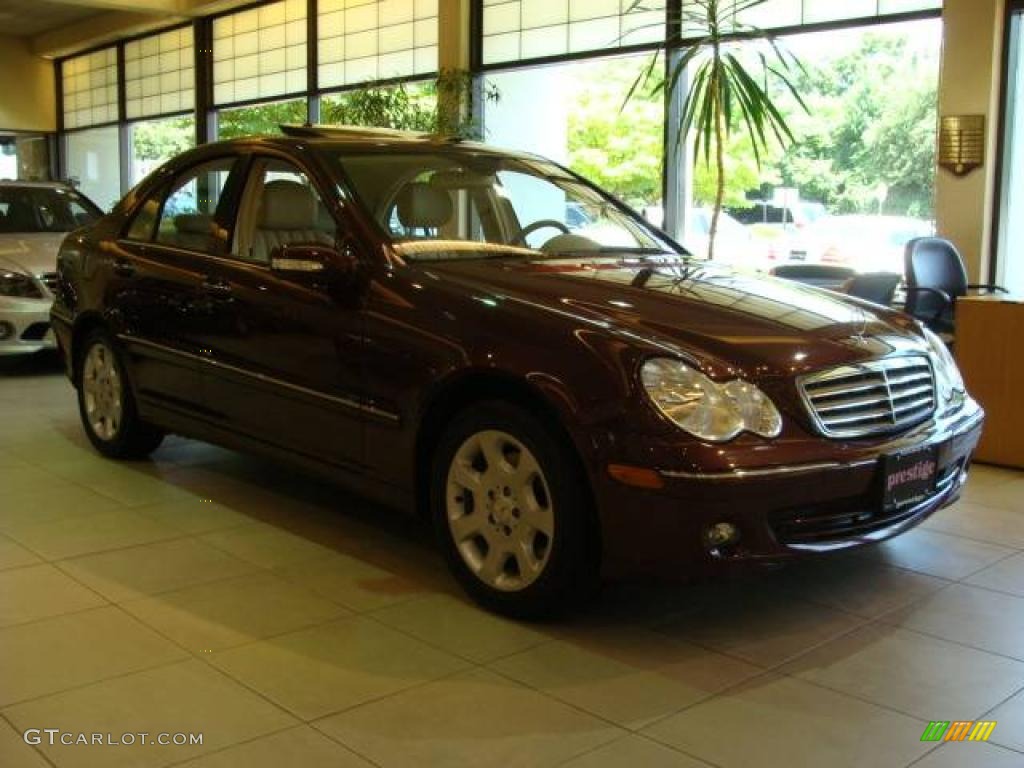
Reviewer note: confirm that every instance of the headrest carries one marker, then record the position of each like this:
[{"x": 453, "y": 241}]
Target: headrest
[
  {"x": 421, "y": 205},
  {"x": 287, "y": 205},
  {"x": 193, "y": 223}
]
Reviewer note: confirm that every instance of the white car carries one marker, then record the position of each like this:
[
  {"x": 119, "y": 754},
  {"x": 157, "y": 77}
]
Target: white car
[{"x": 34, "y": 219}]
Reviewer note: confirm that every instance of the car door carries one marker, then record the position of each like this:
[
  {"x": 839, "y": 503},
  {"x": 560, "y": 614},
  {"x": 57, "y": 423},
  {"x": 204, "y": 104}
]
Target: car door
[
  {"x": 158, "y": 283},
  {"x": 284, "y": 353}
]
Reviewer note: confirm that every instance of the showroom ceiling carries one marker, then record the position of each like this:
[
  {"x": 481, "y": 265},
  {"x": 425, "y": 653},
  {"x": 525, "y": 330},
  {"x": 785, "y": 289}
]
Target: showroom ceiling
[{"x": 27, "y": 18}]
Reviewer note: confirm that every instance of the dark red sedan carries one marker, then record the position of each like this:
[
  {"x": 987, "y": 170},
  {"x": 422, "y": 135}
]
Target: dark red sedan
[{"x": 433, "y": 324}]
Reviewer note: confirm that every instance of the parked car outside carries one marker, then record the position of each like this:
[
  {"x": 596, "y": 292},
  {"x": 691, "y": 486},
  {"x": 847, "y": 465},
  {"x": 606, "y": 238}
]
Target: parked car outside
[
  {"x": 566, "y": 407},
  {"x": 34, "y": 218},
  {"x": 862, "y": 242}
]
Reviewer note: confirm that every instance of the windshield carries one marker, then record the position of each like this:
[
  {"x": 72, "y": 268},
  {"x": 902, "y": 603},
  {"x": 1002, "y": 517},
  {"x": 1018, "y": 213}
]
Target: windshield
[
  {"x": 44, "y": 209},
  {"x": 465, "y": 205}
]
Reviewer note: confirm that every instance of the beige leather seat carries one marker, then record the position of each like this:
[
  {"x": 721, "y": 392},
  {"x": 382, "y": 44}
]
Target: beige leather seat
[
  {"x": 288, "y": 215},
  {"x": 423, "y": 209}
]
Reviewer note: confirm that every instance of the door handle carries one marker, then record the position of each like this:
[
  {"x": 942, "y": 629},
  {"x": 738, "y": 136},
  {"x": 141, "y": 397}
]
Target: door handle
[
  {"x": 217, "y": 286},
  {"x": 123, "y": 267}
]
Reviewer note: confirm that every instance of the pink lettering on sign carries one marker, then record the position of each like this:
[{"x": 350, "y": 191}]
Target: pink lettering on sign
[{"x": 922, "y": 470}]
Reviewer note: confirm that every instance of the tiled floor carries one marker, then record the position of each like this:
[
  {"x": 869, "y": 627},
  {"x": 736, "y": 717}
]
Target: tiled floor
[{"x": 293, "y": 625}]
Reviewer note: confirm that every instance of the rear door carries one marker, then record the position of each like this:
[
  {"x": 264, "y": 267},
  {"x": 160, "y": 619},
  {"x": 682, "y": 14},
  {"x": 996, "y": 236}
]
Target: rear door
[{"x": 159, "y": 280}]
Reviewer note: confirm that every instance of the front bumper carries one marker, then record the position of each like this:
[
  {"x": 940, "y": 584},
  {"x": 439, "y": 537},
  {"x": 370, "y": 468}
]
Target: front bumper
[
  {"x": 25, "y": 326},
  {"x": 782, "y": 512}
]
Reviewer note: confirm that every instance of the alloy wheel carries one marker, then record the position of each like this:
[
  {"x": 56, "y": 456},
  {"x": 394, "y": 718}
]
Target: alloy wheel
[
  {"x": 101, "y": 390},
  {"x": 499, "y": 510}
]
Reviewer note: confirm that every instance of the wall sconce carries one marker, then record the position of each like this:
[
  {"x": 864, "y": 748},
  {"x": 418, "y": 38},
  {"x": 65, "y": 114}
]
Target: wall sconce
[{"x": 962, "y": 143}]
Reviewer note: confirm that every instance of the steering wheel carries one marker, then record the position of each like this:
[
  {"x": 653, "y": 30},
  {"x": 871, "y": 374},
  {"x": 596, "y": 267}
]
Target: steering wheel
[{"x": 520, "y": 237}]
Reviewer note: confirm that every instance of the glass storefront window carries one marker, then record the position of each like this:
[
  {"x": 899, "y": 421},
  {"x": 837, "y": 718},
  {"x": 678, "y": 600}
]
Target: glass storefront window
[
  {"x": 572, "y": 113},
  {"x": 407, "y": 107},
  {"x": 859, "y": 180},
  {"x": 25, "y": 157},
  {"x": 260, "y": 119},
  {"x": 154, "y": 142},
  {"x": 93, "y": 164}
]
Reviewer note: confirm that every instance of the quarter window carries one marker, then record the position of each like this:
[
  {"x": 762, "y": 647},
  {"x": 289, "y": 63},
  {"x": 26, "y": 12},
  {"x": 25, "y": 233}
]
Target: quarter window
[{"x": 189, "y": 216}]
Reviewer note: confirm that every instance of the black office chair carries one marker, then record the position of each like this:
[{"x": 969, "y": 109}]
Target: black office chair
[
  {"x": 876, "y": 287},
  {"x": 936, "y": 278},
  {"x": 818, "y": 275}
]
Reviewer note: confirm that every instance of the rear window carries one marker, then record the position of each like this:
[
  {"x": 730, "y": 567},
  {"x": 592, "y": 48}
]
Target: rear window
[{"x": 44, "y": 209}]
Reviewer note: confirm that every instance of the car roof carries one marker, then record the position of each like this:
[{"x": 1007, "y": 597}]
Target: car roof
[
  {"x": 34, "y": 184},
  {"x": 367, "y": 139}
]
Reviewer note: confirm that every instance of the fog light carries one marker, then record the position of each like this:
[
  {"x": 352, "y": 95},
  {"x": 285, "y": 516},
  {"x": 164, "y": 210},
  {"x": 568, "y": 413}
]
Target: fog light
[
  {"x": 6, "y": 331},
  {"x": 721, "y": 535}
]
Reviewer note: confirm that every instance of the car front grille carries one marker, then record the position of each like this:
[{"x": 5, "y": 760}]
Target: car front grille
[
  {"x": 876, "y": 397},
  {"x": 50, "y": 281}
]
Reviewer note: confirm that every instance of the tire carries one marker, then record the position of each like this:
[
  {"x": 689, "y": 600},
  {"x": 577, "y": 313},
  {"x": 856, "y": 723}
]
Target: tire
[
  {"x": 106, "y": 403},
  {"x": 516, "y": 529}
]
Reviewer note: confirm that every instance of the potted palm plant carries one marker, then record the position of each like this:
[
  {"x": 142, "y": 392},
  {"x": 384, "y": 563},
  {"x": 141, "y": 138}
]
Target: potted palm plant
[{"x": 728, "y": 89}]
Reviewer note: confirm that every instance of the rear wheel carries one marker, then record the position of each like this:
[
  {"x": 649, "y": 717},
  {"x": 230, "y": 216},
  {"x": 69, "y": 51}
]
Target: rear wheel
[
  {"x": 511, "y": 513},
  {"x": 107, "y": 406}
]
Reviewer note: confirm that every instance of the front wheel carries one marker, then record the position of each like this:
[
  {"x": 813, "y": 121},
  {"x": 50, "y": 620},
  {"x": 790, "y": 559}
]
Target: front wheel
[
  {"x": 107, "y": 406},
  {"x": 512, "y": 513}
]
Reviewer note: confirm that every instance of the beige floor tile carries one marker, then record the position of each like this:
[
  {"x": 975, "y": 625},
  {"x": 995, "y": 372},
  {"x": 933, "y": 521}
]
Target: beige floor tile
[
  {"x": 355, "y": 583},
  {"x": 67, "y": 651},
  {"x": 14, "y": 752},
  {"x": 460, "y": 627},
  {"x": 196, "y": 515},
  {"x": 629, "y": 676},
  {"x": 975, "y": 755},
  {"x": 916, "y": 674},
  {"x": 136, "y": 487},
  {"x": 1006, "y": 576},
  {"x": 936, "y": 554},
  {"x": 222, "y": 614},
  {"x": 781, "y": 722},
  {"x": 39, "y": 591},
  {"x": 16, "y": 480},
  {"x": 763, "y": 625},
  {"x": 59, "y": 539},
  {"x": 51, "y": 504},
  {"x": 996, "y": 525},
  {"x": 149, "y": 569},
  {"x": 266, "y": 545},
  {"x": 335, "y": 666},
  {"x": 13, "y": 555},
  {"x": 1005, "y": 492},
  {"x": 1009, "y": 717},
  {"x": 181, "y": 698},
  {"x": 634, "y": 751},
  {"x": 856, "y": 585},
  {"x": 303, "y": 747},
  {"x": 475, "y": 718},
  {"x": 989, "y": 620}
]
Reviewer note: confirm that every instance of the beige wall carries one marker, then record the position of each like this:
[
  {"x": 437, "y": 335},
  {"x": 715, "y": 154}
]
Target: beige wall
[
  {"x": 971, "y": 69},
  {"x": 29, "y": 97}
]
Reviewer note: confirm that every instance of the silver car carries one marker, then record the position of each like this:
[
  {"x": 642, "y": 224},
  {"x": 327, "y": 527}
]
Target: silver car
[{"x": 34, "y": 219}]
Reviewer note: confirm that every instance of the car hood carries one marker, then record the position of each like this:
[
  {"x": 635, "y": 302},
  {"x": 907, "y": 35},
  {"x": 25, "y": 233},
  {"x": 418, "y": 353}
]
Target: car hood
[
  {"x": 31, "y": 253},
  {"x": 730, "y": 323}
]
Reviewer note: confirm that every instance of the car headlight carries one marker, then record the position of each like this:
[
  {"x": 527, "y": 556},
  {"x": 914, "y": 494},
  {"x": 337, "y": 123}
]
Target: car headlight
[
  {"x": 704, "y": 408},
  {"x": 949, "y": 383},
  {"x": 18, "y": 285}
]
